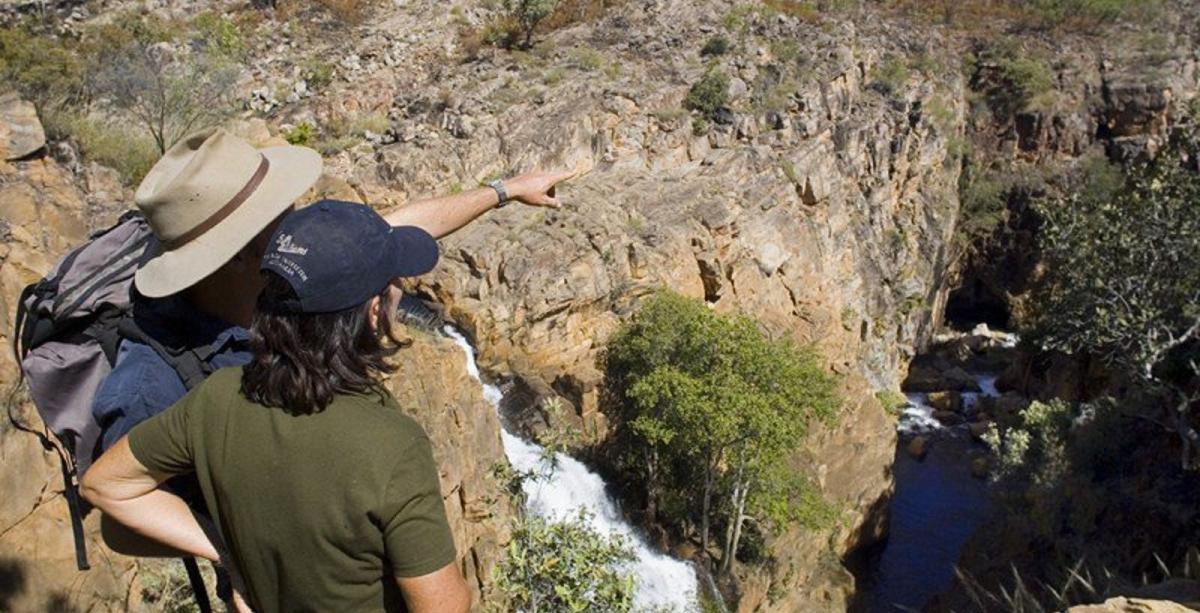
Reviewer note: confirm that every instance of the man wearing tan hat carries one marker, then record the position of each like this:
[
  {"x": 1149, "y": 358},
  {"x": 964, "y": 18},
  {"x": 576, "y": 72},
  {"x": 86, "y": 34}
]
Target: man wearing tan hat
[{"x": 212, "y": 201}]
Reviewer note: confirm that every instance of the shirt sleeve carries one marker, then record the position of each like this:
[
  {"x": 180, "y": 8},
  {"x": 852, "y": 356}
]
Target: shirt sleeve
[
  {"x": 416, "y": 534},
  {"x": 162, "y": 442}
]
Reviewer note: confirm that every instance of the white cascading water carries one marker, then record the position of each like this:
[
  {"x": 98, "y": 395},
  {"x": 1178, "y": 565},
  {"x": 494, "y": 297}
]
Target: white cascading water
[
  {"x": 917, "y": 417},
  {"x": 662, "y": 581}
]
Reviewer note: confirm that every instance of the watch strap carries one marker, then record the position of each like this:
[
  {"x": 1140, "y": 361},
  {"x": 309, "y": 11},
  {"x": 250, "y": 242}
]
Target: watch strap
[{"x": 498, "y": 185}]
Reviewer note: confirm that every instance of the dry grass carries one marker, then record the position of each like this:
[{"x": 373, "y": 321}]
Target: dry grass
[
  {"x": 1077, "y": 16},
  {"x": 505, "y": 32}
]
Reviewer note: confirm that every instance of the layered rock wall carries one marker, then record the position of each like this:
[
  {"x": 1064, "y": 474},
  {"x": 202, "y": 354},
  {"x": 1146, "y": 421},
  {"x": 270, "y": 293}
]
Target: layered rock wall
[
  {"x": 827, "y": 217},
  {"x": 820, "y": 202}
]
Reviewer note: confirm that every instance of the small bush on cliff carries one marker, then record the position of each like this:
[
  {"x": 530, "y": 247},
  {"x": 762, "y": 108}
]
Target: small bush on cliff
[
  {"x": 1056, "y": 12},
  {"x": 565, "y": 566},
  {"x": 889, "y": 76},
  {"x": 713, "y": 410},
  {"x": 708, "y": 94},
  {"x": 165, "y": 586},
  {"x": 527, "y": 14},
  {"x": 41, "y": 68},
  {"x": 1013, "y": 79},
  {"x": 717, "y": 45}
]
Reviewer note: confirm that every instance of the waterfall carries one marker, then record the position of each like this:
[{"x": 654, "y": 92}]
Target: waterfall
[{"x": 662, "y": 582}]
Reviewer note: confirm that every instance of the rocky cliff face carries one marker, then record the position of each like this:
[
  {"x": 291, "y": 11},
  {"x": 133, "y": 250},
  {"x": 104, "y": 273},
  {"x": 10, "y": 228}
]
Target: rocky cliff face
[
  {"x": 1122, "y": 98},
  {"x": 44, "y": 210},
  {"x": 826, "y": 215},
  {"x": 817, "y": 203}
]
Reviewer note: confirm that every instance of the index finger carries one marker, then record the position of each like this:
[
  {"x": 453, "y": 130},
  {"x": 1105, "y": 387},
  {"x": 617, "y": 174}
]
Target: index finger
[{"x": 567, "y": 174}]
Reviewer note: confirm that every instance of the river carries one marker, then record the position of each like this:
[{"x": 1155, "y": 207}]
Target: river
[
  {"x": 937, "y": 506},
  {"x": 662, "y": 582}
]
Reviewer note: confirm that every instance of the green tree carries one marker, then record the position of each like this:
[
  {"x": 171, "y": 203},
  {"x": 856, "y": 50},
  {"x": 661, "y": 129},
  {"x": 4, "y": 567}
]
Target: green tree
[
  {"x": 565, "y": 566},
  {"x": 714, "y": 409},
  {"x": 528, "y": 14},
  {"x": 1123, "y": 285},
  {"x": 168, "y": 97}
]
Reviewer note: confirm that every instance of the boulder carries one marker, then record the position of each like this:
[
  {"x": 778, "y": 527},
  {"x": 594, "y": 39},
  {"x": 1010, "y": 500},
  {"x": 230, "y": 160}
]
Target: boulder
[
  {"x": 984, "y": 405},
  {"x": 945, "y": 401},
  {"x": 918, "y": 447},
  {"x": 980, "y": 468},
  {"x": 1013, "y": 378},
  {"x": 1010, "y": 404},
  {"x": 1122, "y": 604},
  {"x": 978, "y": 429},
  {"x": 923, "y": 378},
  {"x": 949, "y": 418},
  {"x": 959, "y": 379},
  {"x": 21, "y": 132}
]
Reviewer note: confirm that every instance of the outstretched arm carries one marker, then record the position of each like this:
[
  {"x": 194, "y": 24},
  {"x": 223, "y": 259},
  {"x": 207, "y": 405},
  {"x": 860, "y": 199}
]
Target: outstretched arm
[{"x": 442, "y": 216}]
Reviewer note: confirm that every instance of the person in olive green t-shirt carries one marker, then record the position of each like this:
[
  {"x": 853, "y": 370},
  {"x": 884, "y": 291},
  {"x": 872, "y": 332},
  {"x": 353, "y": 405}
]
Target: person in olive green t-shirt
[
  {"x": 324, "y": 493},
  {"x": 303, "y": 516}
]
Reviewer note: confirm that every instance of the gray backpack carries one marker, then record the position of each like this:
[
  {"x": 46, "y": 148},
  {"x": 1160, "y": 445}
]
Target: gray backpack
[
  {"x": 68, "y": 327},
  {"x": 66, "y": 338}
]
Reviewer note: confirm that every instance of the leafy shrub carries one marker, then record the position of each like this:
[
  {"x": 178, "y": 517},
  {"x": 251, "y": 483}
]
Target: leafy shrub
[
  {"x": 710, "y": 406},
  {"x": 168, "y": 97},
  {"x": 983, "y": 196},
  {"x": 717, "y": 45},
  {"x": 1012, "y": 79},
  {"x": 892, "y": 401},
  {"x": 42, "y": 68},
  {"x": 941, "y": 113},
  {"x": 121, "y": 65},
  {"x": 303, "y": 134},
  {"x": 1121, "y": 287},
  {"x": 565, "y": 566},
  {"x": 527, "y": 14},
  {"x": 890, "y": 76},
  {"x": 220, "y": 35},
  {"x": 317, "y": 72},
  {"x": 1035, "y": 448},
  {"x": 708, "y": 94}
]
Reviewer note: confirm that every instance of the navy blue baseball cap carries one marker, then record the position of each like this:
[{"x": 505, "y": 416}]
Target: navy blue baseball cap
[{"x": 337, "y": 255}]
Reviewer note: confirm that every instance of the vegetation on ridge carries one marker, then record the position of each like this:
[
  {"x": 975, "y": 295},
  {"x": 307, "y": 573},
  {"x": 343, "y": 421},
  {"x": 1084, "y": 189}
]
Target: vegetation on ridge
[
  {"x": 712, "y": 411},
  {"x": 565, "y": 565}
]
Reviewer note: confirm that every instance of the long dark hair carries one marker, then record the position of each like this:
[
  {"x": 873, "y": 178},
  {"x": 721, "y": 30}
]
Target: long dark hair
[{"x": 302, "y": 360}]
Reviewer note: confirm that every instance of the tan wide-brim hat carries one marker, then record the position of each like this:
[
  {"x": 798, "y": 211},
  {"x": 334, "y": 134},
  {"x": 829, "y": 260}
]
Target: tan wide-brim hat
[{"x": 208, "y": 197}]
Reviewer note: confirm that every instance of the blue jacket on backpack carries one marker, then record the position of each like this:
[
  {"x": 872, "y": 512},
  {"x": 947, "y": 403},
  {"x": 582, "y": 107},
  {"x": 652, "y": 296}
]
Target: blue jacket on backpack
[{"x": 142, "y": 384}]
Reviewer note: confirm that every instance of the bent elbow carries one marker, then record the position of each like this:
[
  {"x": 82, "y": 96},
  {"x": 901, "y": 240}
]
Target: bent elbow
[
  {"x": 88, "y": 489},
  {"x": 93, "y": 489}
]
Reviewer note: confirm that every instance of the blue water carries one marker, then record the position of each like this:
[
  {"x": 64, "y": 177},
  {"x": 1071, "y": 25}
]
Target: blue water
[{"x": 937, "y": 506}]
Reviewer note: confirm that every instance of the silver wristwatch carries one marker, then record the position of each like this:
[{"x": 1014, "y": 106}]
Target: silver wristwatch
[{"x": 498, "y": 185}]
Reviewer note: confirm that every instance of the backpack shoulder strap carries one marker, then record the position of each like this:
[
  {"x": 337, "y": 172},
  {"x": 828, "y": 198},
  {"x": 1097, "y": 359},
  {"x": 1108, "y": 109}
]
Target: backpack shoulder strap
[{"x": 191, "y": 364}]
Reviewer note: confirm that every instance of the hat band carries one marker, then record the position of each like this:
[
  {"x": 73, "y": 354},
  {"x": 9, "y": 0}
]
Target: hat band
[{"x": 224, "y": 211}]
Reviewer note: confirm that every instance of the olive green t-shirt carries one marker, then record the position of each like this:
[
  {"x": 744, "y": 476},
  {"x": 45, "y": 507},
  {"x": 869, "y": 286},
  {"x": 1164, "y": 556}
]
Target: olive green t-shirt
[{"x": 319, "y": 511}]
